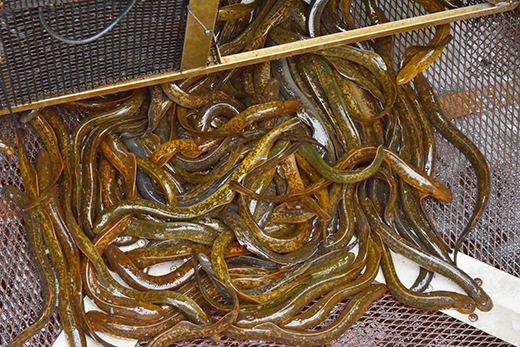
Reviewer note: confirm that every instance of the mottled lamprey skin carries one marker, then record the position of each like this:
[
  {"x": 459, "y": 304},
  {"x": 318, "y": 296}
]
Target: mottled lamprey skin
[
  {"x": 5, "y": 146},
  {"x": 256, "y": 182}
]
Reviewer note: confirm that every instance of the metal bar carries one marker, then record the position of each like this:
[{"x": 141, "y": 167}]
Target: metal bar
[
  {"x": 280, "y": 51},
  {"x": 202, "y": 15},
  {"x": 366, "y": 33}
]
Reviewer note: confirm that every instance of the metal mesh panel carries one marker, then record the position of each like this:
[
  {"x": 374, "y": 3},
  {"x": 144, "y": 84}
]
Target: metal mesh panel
[
  {"x": 489, "y": 77},
  {"x": 148, "y": 40},
  {"x": 25, "y": 4},
  {"x": 20, "y": 295},
  {"x": 391, "y": 324},
  {"x": 478, "y": 80}
]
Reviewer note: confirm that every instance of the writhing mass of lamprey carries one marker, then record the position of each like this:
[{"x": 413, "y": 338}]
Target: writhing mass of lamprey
[{"x": 277, "y": 187}]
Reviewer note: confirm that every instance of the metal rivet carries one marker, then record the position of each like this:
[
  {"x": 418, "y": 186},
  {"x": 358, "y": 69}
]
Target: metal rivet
[
  {"x": 478, "y": 281},
  {"x": 473, "y": 317}
]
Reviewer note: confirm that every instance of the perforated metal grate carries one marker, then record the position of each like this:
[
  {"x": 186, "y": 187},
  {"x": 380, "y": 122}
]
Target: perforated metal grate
[
  {"x": 478, "y": 78},
  {"x": 391, "y": 324},
  {"x": 148, "y": 40},
  {"x": 25, "y": 4},
  {"x": 20, "y": 295}
]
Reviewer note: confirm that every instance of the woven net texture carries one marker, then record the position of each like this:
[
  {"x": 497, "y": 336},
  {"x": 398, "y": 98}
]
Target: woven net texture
[{"x": 478, "y": 80}]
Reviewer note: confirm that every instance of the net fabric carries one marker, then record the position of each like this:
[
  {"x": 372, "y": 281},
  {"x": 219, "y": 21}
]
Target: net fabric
[
  {"x": 478, "y": 81},
  {"x": 148, "y": 40}
]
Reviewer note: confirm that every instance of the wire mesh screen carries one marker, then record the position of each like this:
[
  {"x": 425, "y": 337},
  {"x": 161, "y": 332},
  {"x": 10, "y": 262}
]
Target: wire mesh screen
[
  {"x": 390, "y": 323},
  {"x": 148, "y": 40},
  {"x": 25, "y": 4},
  {"x": 478, "y": 79}
]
